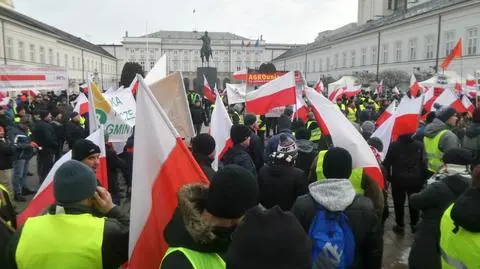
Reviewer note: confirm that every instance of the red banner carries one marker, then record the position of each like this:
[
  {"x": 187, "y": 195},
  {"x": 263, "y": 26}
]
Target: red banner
[{"x": 262, "y": 78}]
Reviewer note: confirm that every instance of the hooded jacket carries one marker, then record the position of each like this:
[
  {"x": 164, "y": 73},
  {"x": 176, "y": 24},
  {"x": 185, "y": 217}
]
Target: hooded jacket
[
  {"x": 339, "y": 195},
  {"x": 281, "y": 185},
  {"x": 307, "y": 151},
  {"x": 466, "y": 213},
  {"x": 448, "y": 141},
  {"x": 238, "y": 155},
  {"x": 471, "y": 140},
  {"x": 187, "y": 229},
  {"x": 205, "y": 163},
  {"x": 432, "y": 201}
]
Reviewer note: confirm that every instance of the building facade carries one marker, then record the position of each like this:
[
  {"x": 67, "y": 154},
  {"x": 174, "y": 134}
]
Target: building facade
[
  {"x": 230, "y": 53},
  {"x": 412, "y": 40},
  {"x": 26, "y": 41}
]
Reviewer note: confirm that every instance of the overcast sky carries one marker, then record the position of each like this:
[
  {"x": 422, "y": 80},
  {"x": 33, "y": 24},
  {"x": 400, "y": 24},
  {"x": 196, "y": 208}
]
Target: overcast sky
[{"x": 105, "y": 21}]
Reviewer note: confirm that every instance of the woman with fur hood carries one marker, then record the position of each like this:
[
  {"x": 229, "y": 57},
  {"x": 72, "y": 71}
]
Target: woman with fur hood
[{"x": 200, "y": 231}]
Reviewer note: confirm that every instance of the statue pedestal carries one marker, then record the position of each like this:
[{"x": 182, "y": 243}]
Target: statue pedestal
[{"x": 210, "y": 73}]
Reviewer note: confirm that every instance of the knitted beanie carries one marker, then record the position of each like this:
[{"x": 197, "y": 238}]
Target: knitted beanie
[
  {"x": 74, "y": 182},
  {"x": 337, "y": 163},
  {"x": 203, "y": 144}
]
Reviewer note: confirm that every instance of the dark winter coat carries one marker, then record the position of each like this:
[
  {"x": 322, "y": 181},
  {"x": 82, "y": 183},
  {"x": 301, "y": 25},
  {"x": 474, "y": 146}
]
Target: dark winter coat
[
  {"x": 74, "y": 132},
  {"x": 405, "y": 163},
  {"x": 7, "y": 150},
  {"x": 205, "y": 163},
  {"x": 433, "y": 201},
  {"x": 198, "y": 115},
  {"x": 239, "y": 156},
  {"x": 307, "y": 152},
  {"x": 187, "y": 229},
  {"x": 281, "y": 185},
  {"x": 471, "y": 140},
  {"x": 19, "y": 138},
  {"x": 44, "y": 135},
  {"x": 114, "y": 245},
  {"x": 256, "y": 150},
  {"x": 284, "y": 123},
  {"x": 465, "y": 212},
  {"x": 338, "y": 195},
  {"x": 60, "y": 130}
]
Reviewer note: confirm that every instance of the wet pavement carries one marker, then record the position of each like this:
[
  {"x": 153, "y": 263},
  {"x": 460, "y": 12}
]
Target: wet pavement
[{"x": 396, "y": 247}]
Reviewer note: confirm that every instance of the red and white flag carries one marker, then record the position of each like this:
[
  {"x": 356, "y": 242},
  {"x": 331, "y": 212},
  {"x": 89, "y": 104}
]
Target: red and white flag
[
  {"x": 414, "y": 87},
  {"x": 471, "y": 87},
  {"x": 276, "y": 93},
  {"x": 319, "y": 86},
  {"x": 456, "y": 53},
  {"x": 44, "y": 197},
  {"x": 407, "y": 116},
  {"x": 81, "y": 106},
  {"x": 84, "y": 88},
  {"x": 207, "y": 91},
  {"x": 162, "y": 164},
  {"x": 332, "y": 122},
  {"x": 396, "y": 91},
  {"x": 134, "y": 86},
  {"x": 220, "y": 125},
  {"x": 335, "y": 94},
  {"x": 379, "y": 88},
  {"x": 449, "y": 99},
  {"x": 31, "y": 93},
  {"x": 429, "y": 99},
  {"x": 240, "y": 75},
  {"x": 386, "y": 114},
  {"x": 384, "y": 133},
  {"x": 301, "y": 109},
  {"x": 469, "y": 107}
]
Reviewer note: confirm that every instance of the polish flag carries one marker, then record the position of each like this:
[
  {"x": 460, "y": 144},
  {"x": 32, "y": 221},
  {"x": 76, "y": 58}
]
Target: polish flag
[
  {"x": 384, "y": 133},
  {"x": 471, "y": 87},
  {"x": 220, "y": 126},
  {"x": 84, "y": 88},
  {"x": 469, "y": 107},
  {"x": 44, "y": 197},
  {"x": 455, "y": 54},
  {"x": 276, "y": 93},
  {"x": 396, "y": 91},
  {"x": 429, "y": 99},
  {"x": 31, "y": 93},
  {"x": 333, "y": 96},
  {"x": 379, "y": 88},
  {"x": 407, "y": 116},
  {"x": 240, "y": 75},
  {"x": 163, "y": 166},
  {"x": 414, "y": 87},
  {"x": 386, "y": 114},
  {"x": 449, "y": 99},
  {"x": 81, "y": 106},
  {"x": 319, "y": 86},
  {"x": 343, "y": 134},
  {"x": 134, "y": 86},
  {"x": 207, "y": 91},
  {"x": 301, "y": 109}
]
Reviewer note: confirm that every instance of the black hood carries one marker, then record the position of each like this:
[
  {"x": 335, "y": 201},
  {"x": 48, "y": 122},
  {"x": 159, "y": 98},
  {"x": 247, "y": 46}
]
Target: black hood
[
  {"x": 187, "y": 228},
  {"x": 473, "y": 130},
  {"x": 234, "y": 153},
  {"x": 466, "y": 211},
  {"x": 457, "y": 183},
  {"x": 203, "y": 159},
  {"x": 305, "y": 146}
]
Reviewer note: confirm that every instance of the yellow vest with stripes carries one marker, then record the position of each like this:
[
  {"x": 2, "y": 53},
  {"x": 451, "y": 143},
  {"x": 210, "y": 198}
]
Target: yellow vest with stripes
[
  {"x": 199, "y": 260},
  {"x": 434, "y": 154},
  {"x": 316, "y": 133}
]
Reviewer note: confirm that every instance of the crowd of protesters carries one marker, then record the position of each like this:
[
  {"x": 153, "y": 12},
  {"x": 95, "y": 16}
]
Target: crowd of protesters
[{"x": 283, "y": 195}]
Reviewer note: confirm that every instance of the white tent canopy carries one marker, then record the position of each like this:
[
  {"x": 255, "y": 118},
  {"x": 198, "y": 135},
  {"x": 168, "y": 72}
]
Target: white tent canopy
[{"x": 450, "y": 76}]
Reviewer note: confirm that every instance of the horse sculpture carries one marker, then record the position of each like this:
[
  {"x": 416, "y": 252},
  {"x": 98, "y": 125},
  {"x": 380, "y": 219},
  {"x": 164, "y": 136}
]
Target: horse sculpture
[{"x": 206, "y": 51}]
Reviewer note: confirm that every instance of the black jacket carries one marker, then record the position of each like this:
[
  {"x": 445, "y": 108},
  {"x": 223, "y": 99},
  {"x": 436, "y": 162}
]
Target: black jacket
[
  {"x": 44, "y": 135},
  {"x": 281, "y": 185},
  {"x": 364, "y": 223},
  {"x": 187, "y": 229},
  {"x": 465, "y": 212},
  {"x": 256, "y": 150},
  {"x": 60, "y": 130},
  {"x": 74, "y": 132},
  {"x": 307, "y": 153},
  {"x": 198, "y": 115},
  {"x": 433, "y": 201},
  {"x": 18, "y": 137},
  {"x": 239, "y": 156},
  {"x": 7, "y": 150},
  {"x": 114, "y": 245},
  {"x": 405, "y": 163},
  {"x": 206, "y": 164}
]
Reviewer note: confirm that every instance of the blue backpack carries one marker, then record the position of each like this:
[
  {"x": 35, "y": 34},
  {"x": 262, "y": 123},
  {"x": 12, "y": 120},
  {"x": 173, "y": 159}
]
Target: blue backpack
[{"x": 333, "y": 239}]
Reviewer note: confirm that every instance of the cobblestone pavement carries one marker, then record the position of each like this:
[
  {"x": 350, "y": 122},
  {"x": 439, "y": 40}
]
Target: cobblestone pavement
[{"x": 396, "y": 248}]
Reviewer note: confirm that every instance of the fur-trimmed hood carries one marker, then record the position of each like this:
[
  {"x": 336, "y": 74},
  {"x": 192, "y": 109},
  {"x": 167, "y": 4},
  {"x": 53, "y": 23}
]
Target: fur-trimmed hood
[{"x": 187, "y": 228}]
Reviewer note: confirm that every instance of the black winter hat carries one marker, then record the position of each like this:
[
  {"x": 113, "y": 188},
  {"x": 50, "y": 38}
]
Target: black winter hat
[
  {"x": 73, "y": 182},
  {"x": 43, "y": 114},
  {"x": 203, "y": 144},
  {"x": 376, "y": 143},
  {"x": 249, "y": 119},
  {"x": 303, "y": 133},
  {"x": 337, "y": 163},
  {"x": 459, "y": 156},
  {"x": 238, "y": 133},
  {"x": 73, "y": 115},
  {"x": 84, "y": 148},
  {"x": 269, "y": 239},
  {"x": 445, "y": 113},
  {"x": 232, "y": 192}
]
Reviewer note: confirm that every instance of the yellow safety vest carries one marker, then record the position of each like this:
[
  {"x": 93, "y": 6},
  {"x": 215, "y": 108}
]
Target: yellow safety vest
[
  {"x": 2, "y": 188},
  {"x": 341, "y": 106},
  {"x": 355, "y": 177},
  {"x": 362, "y": 107},
  {"x": 199, "y": 260},
  {"x": 316, "y": 133},
  {"x": 17, "y": 119},
  {"x": 377, "y": 107},
  {"x": 352, "y": 114},
  {"x": 434, "y": 154},
  {"x": 61, "y": 241},
  {"x": 240, "y": 118},
  {"x": 82, "y": 122},
  {"x": 260, "y": 122},
  {"x": 458, "y": 250}
]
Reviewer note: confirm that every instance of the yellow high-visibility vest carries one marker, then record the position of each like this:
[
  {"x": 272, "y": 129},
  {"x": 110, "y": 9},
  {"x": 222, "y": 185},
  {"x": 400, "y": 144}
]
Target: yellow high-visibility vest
[
  {"x": 352, "y": 114},
  {"x": 434, "y": 154},
  {"x": 316, "y": 133},
  {"x": 199, "y": 260}
]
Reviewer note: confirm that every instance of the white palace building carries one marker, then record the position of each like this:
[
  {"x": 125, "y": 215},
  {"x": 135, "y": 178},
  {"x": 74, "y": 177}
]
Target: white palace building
[{"x": 406, "y": 35}]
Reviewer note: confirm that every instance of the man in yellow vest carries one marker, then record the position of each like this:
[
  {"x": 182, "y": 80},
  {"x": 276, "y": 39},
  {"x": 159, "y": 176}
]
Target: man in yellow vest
[
  {"x": 439, "y": 138},
  {"x": 200, "y": 231},
  {"x": 72, "y": 237},
  {"x": 312, "y": 125},
  {"x": 20, "y": 113},
  {"x": 351, "y": 112},
  {"x": 460, "y": 231}
]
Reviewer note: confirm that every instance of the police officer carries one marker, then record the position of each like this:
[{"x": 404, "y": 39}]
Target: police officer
[{"x": 71, "y": 237}]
